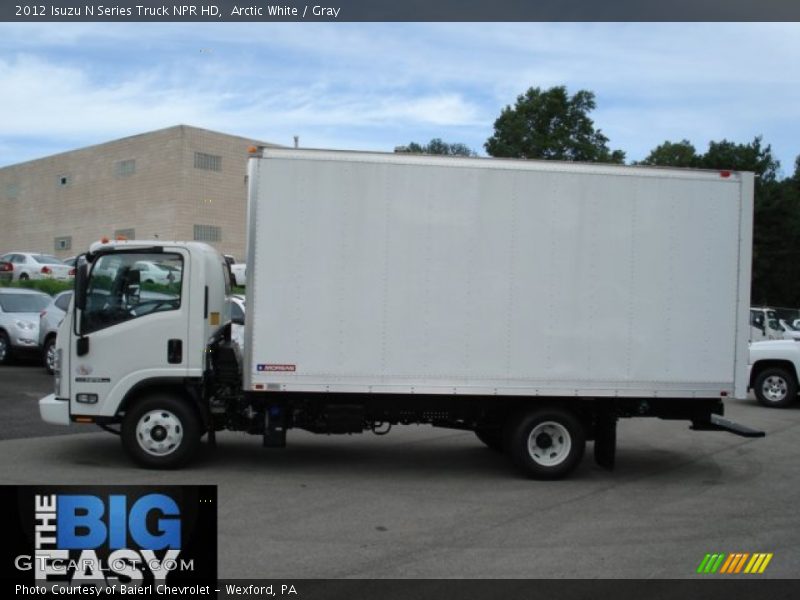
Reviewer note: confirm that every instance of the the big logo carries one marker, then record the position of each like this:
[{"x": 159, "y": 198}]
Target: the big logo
[
  {"x": 84, "y": 522},
  {"x": 101, "y": 538}
]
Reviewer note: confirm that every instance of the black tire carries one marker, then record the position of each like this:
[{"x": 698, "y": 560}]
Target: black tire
[
  {"x": 546, "y": 443},
  {"x": 775, "y": 387},
  {"x": 23, "y": 277},
  {"x": 49, "y": 353},
  {"x": 5, "y": 348},
  {"x": 493, "y": 438},
  {"x": 161, "y": 414}
]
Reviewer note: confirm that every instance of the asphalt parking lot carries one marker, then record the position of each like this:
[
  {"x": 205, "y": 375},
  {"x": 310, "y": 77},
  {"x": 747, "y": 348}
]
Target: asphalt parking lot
[{"x": 428, "y": 503}]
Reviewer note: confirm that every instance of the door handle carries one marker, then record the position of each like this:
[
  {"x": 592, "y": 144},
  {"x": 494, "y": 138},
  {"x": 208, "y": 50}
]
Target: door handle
[{"x": 175, "y": 351}]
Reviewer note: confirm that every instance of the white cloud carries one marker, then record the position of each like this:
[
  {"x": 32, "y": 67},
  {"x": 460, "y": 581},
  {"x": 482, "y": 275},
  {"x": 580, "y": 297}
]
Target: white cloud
[{"x": 379, "y": 85}]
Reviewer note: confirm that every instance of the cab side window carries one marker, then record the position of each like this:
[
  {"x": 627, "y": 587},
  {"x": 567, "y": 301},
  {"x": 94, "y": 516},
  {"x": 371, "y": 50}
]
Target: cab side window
[{"x": 128, "y": 286}]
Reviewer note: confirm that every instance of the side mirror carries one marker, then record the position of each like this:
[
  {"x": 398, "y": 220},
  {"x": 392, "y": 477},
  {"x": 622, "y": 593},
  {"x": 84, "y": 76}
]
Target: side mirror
[
  {"x": 81, "y": 276},
  {"x": 133, "y": 283}
]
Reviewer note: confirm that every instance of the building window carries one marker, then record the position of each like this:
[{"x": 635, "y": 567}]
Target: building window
[
  {"x": 63, "y": 243},
  {"x": 12, "y": 191},
  {"x": 128, "y": 234},
  {"x": 208, "y": 162},
  {"x": 207, "y": 233},
  {"x": 64, "y": 180},
  {"x": 124, "y": 168}
]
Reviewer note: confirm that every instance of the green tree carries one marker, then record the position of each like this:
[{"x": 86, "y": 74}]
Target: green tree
[
  {"x": 551, "y": 124},
  {"x": 672, "y": 154},
  {"x": 775, "y": 245},
  {"x": 743, "y": 157},
  {"x": 437, "y": 146}
]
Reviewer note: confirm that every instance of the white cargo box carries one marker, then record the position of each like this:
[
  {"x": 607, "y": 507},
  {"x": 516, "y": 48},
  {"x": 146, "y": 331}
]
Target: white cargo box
[{"x": 416, "y": 274}]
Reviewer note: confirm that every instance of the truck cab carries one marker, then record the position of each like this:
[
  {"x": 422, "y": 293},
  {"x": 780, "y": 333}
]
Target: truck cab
[{"x": 125, "y": 340}]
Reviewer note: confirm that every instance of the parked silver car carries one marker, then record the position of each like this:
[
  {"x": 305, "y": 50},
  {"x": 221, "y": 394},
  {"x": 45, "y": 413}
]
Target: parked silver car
[
  {"x": 49, "y": 320},
  {"x": 19, "y": 320}
]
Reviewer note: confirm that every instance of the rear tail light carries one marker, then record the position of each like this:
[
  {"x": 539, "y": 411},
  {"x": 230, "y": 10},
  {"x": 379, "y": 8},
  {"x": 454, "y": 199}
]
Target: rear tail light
[
  {"x": 72, "y": 272},
  {"x": 6, "y": 266},
  {"x": 46, "y": 270}
]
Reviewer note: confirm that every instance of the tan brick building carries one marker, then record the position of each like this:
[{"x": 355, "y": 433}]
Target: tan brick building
[{"x": 180, "y": 183}]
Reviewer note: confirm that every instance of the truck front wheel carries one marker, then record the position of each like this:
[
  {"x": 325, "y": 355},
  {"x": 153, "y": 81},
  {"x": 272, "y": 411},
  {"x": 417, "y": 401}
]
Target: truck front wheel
[
  {"x": 546, "y": 443},
  {"x": 775, "y": 388},
  {"x": 161, "y": 432}
]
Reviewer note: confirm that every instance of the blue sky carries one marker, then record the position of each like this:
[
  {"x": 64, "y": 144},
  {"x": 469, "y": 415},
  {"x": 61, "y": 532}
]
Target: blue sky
[{"x": 378, "y": 85}]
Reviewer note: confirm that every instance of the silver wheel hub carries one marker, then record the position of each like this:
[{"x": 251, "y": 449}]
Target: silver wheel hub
[
  {"x": 159, "y": 432},
  {"x": 3, "y": 348},
  {"x": 774, "y": 388},
  {"x": 51, "y": 356},
  {"x": 549, "y": 444}
]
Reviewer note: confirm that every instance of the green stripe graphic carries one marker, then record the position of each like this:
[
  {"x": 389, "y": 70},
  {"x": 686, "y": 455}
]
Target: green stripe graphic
[
  {"x": 718, "y": 564},
  {"x": 703, "y": 564},
  {"x": 711, "y": 563}
]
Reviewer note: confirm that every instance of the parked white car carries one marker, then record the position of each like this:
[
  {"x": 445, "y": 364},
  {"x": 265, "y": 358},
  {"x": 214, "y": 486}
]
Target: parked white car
[
  {"x": 238, "y": 270},
  {"x": 237, "y": 319},
  {"x": 6, "y": 271},
  {"x": 49, "y": 320},
  {"x": 773, "y": 369},
  {"x": 30, "y": 265},
  {"x": 19, "y": 320},
  {"x": 150, "y": 272}
]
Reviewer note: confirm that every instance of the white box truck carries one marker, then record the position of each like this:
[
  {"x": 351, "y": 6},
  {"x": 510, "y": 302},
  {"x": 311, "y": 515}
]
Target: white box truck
[{"x": 534, "y": 303}]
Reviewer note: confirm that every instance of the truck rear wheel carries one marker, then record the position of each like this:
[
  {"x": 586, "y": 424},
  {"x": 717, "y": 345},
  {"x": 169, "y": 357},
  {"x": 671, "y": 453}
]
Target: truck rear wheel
[
  {"x": 775, "y": 387},
  {"x": 161, "y": 432},
  {"x": 547, "y": 443}
]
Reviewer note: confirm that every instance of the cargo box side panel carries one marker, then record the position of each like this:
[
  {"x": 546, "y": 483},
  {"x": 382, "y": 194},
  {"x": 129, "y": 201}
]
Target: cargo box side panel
[
  {"x": 435, "y": 276},
  {"x": 637, "y": 284},
  {"x": 743, "y": 295}
]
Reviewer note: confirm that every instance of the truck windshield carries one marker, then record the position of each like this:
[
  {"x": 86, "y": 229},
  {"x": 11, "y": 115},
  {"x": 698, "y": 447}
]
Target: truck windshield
[{"x": 130, "y": 285}]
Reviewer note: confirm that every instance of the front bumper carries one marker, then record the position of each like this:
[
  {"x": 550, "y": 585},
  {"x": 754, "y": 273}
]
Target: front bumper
[
  {"x": 27, "y": 339},
  {"x": 54, "y": 410}
]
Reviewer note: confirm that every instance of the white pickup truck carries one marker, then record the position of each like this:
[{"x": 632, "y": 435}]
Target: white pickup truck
[{"x": 773, "y": 369}]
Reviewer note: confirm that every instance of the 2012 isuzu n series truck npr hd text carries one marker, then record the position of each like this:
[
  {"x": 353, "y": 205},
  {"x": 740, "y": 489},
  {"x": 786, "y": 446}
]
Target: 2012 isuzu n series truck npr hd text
[{"x": 534, "y": 303}]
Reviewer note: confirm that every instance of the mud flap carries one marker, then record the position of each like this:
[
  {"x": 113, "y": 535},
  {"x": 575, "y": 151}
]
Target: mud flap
[
  {"x": 605, "y": 441},
  {"x": 274, "y": 428}
]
